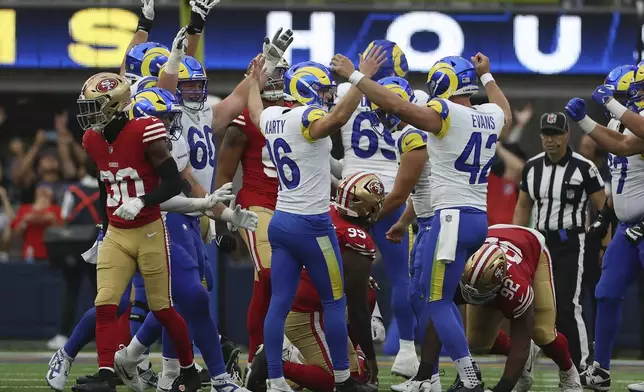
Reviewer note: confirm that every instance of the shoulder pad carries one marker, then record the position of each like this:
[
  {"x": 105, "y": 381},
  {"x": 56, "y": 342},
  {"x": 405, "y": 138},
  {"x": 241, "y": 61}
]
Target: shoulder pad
[{"x": 411, "y": 140}]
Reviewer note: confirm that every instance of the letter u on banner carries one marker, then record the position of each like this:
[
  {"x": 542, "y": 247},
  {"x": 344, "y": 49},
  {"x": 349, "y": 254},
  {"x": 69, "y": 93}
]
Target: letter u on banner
[{"x": 567, "y": 49}]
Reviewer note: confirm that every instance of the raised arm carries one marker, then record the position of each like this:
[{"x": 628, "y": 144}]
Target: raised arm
[
  {"x": 146, "y": 19},
  {"x": 169, "y": 78},
  {"x": 493, "y": 91}
]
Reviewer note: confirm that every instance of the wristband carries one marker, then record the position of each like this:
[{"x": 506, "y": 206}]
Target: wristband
[
  {"x": 144, "y": 24},
  {"x": 356, "y": 77},
  {"x": 486, "y": 78},
  {"x": 587, "y": 124},
  {"x": 504, "y": 385},
  {"x": 196, "y": 24},
  {"x": 172, "y": 66},
  {"x": 616, "y": 108}
]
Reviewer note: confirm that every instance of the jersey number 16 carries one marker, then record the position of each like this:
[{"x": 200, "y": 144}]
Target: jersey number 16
[{"x": 278, "y": 153}]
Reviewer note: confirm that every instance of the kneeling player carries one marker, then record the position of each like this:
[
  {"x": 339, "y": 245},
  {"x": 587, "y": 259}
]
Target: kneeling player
[
  {"x": 358, "y": 203},
  {"x": 511, "y": 276}
]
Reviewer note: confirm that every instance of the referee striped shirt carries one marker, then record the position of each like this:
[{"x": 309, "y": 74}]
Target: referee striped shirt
[{"x": 560, "y": 189}]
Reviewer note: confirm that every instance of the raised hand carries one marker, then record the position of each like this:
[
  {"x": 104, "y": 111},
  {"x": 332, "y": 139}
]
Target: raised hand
[
  {"x": 372, "y": 61},
  {"x": 482, "y": 63},
  {"x": 576, "y": 108}
]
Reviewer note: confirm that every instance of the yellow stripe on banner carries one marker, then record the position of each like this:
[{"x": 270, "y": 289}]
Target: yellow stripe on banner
[
  {"x": 7, "y": 36},
  {"x": 184, "y": 20},
  {"x": 437, "y": 278},
  {"x": 332, "y": 266}
]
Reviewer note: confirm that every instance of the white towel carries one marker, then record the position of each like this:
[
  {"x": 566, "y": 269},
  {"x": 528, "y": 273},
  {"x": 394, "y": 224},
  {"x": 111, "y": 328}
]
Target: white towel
[
  {"x": 212, "y": 232},
  {"x": 91, "y": 255},
  {"x": 448, "y": 235}
]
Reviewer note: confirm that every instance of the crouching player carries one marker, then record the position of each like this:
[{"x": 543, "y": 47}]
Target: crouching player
[
  {"x": 511, "y": 276},
  {"x": 358, "y": 202}
]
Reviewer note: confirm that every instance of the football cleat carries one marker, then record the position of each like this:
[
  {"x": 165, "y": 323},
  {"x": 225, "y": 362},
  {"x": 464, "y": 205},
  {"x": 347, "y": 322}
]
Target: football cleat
[
  {"x": 188, "y": 381},
  {"x": 595, "y": 378},
  {"x": 413, "y": 386},
  {"x": 225, "y": 383},
  {"x": 527, "y": 376},
  {"x": 436, "y": 383},
  {"x": 351, "y": 385},
  {"x": 99, "y": 385},
  {"x": 231, "y": 357},
  {"x": 90, "y": 378},
  {"x": 168, "y": 375},
  {"x": 204, "y": 376},
  {"x": 148, "y": 377},
  {"x": 59, "y": 366},
  {"x": 275, "y": 388},
  {"x": 458, "y": 384},
  {"x": 406, "y": 363},
  {"x": 127, "y": 370},
  {"x": 637, "y": 387},
  {"x": 258, "y": 372},
  {"x": 569, "y": 380}
]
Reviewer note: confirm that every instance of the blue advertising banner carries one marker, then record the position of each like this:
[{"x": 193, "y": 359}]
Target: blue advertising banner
[{"x": 516, "y": 43}]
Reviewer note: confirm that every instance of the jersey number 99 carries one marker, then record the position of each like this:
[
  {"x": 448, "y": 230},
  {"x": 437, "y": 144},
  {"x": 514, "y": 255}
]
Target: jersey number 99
[
  {"x": 118, "y": 186},
  {"x": 278, "y": 153},
  {"x": 359, "y": 132}
]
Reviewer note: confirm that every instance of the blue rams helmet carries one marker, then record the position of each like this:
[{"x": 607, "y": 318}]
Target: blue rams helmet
[
  {"x": 145, "y": 59},
  {"x": 468, "y": 81},
  {"x": 144, "y": 83},
  {"x": 306, "y": 81},
  {"x": 400, "y": 87},
  {"x": 636, "y": 99},
  {"x": 442, "y": 81},
  {"x": 396, "y": 61},
  {"x": 622, "y": 80},
  {"x": 192, "y": 86},
  {"x": 159, "y": 103}
]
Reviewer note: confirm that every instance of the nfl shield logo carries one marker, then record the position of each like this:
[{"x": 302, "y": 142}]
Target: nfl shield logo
[
  {"x": 551, "y": 118},
  {"x": 570, "y": 193},
  {"x": 110, "y": 149}
]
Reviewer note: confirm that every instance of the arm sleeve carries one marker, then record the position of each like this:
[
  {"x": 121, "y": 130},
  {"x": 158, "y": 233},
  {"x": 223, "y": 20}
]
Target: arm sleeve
[
  {"x": 170, "y": 183},
  {"x": 182, "y": 204},
  {"x": 102, "y": 210}
]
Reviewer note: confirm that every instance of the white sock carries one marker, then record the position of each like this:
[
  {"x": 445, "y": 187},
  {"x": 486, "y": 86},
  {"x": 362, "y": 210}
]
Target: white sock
[
  {"x": 170, "y": 367},
  {"x": 70, "y": 359},
  {"x": 135, "y": 349},
  {"x": 199, "y": 368},
  {"x": 145, "y": 363},
  {"x": 407, "y": 345},
  {"x": 466, "y": 372},
  {"x": 279, "y": 383},
  {"x": 437, "y": 385},
  {"x": 341, "y": 375}
]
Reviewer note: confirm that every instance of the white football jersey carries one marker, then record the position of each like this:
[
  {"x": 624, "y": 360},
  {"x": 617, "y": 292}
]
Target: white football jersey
[
  {"x": 367, "y": 147},
  {"x": 421, "y": 197},
  {"x": 627, "y": 182},
  {"x": 302, "y": 163},
  {"x": 461, "y": 153},
  {"x": 197, "y": 131}
]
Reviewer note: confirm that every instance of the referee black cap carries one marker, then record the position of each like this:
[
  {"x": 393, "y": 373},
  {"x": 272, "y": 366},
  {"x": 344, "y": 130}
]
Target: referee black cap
[{"x": 554, "y": 123}]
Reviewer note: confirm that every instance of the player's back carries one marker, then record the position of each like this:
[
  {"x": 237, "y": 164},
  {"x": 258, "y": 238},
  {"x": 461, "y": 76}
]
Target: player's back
[
  {"x": 302, "y": 163},
  {"x": 196, "y": 130},
  {"x": 124, "y": 168},
  {"x": 411, "y": 139},
  {"x": 627, "y": 181},
  {"x": 522, "y": 247},
  {"x": 461, "y": 153},
  {"x": 367, "y": 146},
  {"x": 259, "y": 180}
]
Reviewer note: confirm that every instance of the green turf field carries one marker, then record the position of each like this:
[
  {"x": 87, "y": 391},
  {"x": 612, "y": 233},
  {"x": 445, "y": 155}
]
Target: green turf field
[{"x": 26, "y": 372}]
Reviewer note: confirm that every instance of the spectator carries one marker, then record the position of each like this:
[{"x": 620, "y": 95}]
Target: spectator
[
  {"x": 31, "y": 221},
  {"x": 80, "y": 207},
  {"x": 7, "y": 214}
]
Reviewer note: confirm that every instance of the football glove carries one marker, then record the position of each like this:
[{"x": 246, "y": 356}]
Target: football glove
[
  {"x": 225, "y": 193},
  {"x": 202, "y": 7},
  {"x": 129, "y": 209},
  {"x": 635, "y": 233},
  {"x": 377, "y": 329},
  {"x": 603, "y": 94},
  {"x": 146, "y": 15},
  {"x": 179, "y": 49},
  {"x": 274, "y": 50},
  {"x": 576, "y": 109},
  {"x": 243, "y": 219},
  {"x": 599, "y": 228}
]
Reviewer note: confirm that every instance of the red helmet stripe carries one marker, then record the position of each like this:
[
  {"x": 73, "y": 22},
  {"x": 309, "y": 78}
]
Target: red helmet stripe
[{"x": 343, "y": 198}]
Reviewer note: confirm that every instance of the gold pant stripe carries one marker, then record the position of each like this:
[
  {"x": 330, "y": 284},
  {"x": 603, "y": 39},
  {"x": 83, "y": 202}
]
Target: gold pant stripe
[
  {"x": 332, "y": 266},
  {"x": 437, "y": 277},
  {"x": 257, "y": 242}
]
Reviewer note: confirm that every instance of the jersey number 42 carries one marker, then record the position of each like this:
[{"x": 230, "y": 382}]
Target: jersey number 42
[{"x": 473, "y": 166}]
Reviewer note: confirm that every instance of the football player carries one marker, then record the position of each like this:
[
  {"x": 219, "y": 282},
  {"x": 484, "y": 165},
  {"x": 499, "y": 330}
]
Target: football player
[
  {"x": 135, "y": 163},
  {"x": 510, "y": 276},
  {"x": 244, "y": 143},
  {"x": 368, "y": 147},
  {"x": 358, "y": 201},
  {"x": 624, "y": 258},
  {"x": 463, "y": 141},
  {"x": 299, "y": 147}
]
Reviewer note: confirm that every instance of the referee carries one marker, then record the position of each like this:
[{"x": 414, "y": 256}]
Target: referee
[{"x": 560, "y": 182}]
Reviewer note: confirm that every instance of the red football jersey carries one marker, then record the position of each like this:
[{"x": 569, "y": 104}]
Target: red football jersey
[
  {"x": 523, "y": 250},
  {"x": 259, "y": 180},
  {"x": 124, "y": 168},
  {"x": 350, "y": 237}
]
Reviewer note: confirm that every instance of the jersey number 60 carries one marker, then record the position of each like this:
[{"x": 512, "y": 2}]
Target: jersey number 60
[{"x": 280, "y": 160}]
